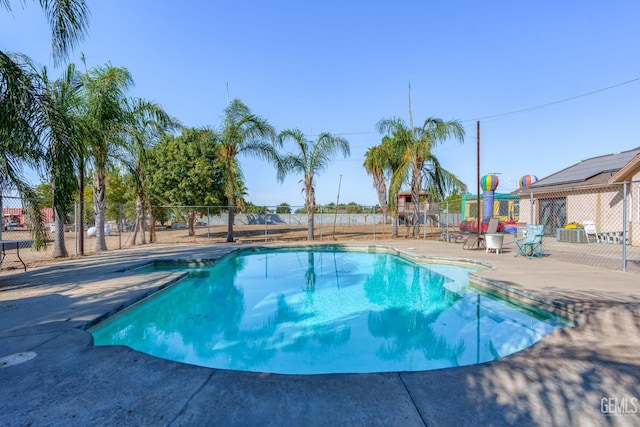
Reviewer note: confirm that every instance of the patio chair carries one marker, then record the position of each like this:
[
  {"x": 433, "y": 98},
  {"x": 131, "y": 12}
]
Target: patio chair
[
  {"x": 590, "y": 230},
  {"x": 477, "y": 241},
  {"x": 531, "y": 245}
]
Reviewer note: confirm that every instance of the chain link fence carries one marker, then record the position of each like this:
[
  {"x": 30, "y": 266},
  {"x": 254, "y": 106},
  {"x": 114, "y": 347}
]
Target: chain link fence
[{"x": 595, "y": 225}]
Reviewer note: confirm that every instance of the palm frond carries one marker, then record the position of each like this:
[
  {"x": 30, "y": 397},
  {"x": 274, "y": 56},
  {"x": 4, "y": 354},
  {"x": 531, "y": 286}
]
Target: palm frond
[{"x": 68, "y": 20}]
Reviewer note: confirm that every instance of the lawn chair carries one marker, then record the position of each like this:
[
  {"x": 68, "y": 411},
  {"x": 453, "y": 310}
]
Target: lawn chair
[
  {"x": 477, "y": 241},
  {"x": 531, "y": 245},
  {"x": 590, "y": 230}
]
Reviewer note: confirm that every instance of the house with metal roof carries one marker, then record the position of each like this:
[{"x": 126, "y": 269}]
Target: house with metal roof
[{"x": 603, "y": 189}]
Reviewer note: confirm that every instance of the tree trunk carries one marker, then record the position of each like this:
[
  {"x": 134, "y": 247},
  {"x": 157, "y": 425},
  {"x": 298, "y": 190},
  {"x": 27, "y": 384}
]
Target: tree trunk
[
  {"x": 140, "y": 225},
  {"x": 80, "y": 217},
  {"x": 192, "y": 221},
  {"x": 230, "y": 225},
  {"x": 59, "y": 248},
  {"x": 310, "y": 205},
  {"x": 152, "y": 225},
  {"x": 394, "y": 226},
  {"x": 379, "y": 181},
  {"x": 99, "y": 206},
  {"x": 416, "y": 183}
]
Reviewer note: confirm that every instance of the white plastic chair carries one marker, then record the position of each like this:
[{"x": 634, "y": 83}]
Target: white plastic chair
[{"x": 590, "y": 230}]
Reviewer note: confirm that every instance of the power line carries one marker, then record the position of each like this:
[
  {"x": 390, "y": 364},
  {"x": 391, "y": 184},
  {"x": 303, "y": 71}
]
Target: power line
[
  {"x": 548, "y": 104},
  {"x": 510, "y": 113}
]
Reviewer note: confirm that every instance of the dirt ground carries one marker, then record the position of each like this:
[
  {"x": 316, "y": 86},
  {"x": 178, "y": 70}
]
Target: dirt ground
[{"x": 209, "y": 235}]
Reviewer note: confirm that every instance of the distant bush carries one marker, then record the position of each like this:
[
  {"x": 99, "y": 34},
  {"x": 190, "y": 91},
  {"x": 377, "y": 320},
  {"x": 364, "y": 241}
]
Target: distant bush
[{"x": 283, "y": 208}]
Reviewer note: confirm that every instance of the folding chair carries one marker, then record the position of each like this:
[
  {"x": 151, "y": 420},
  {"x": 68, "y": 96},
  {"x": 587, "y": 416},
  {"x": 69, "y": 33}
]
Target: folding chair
[
  {"x": 531, "y": 245},
  {"x": 590, "y": 230},
  {"x": 477, "y": 241}
]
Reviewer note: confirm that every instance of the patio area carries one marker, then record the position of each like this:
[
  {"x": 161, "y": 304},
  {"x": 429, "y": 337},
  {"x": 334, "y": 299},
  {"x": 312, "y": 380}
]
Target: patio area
[{"x": 587, "y": 375}]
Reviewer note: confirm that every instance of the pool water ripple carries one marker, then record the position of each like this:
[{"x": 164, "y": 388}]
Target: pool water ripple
[{"x": 312, "y": 311}]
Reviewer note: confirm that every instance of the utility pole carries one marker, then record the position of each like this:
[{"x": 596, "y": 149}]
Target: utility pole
[
  {"x": 335, "y": 217},
  {"x": 478, "y": 181}
]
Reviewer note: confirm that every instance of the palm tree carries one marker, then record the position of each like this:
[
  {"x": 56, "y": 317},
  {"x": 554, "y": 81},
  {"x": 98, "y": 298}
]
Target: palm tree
[
  {"x": 374, "y": 163},
  {"x": 20, "y": 127},
  {"x": 64, "y": 146},
  {"x": 380, "y": 161},
  {"x": 418, "y": 160},
  {"x": 312, "y": 157},
  {"x": 148, "y": 122},
  {"x": 242, "y": 133},
  {"x": 20, "y": 116},
  {"x": 106, "y": 116}
]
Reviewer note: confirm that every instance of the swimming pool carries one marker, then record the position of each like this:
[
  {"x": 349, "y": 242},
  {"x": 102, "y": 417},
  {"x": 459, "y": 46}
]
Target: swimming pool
[{"x": 324, "y": 310}]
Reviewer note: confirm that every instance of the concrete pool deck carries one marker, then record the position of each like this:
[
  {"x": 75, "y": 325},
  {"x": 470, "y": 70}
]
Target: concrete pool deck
[{"x": 587, "y": 375}]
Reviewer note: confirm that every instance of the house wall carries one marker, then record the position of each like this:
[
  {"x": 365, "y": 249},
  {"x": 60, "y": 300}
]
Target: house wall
[
  {"x": 525, "y": 211},
  {"x": 634, "y": 210},
  {"x": 603, "y": 206}
]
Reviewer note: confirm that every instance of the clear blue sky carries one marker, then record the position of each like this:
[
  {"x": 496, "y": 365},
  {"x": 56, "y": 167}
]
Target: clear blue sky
[{"x": 341, "y": 66}]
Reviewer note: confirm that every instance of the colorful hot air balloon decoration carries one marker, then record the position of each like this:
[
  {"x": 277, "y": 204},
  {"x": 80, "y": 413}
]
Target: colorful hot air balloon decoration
[
  {"x": 527, "y": 180},
  {"x": 488, "y": 183}
]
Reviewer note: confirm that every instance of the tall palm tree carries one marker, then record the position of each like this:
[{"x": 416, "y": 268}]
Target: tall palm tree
[
  {"x": 20, "y": 125},
  {"x": 147, "y": 123},
  {"x": 106, "y": 116},
  {"x": 19, "y": 101},
  {"x": 418, "y": 160},
  {"x": 242, "y": 133},
  {"x": 64, "y": 145},
  {"x": 310, "y": 159}
]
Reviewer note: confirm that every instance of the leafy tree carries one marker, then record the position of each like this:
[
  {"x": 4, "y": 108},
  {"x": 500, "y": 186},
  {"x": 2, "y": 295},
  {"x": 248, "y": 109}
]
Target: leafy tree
[
  {"x": 418, "y": 160},
  {"x": 146, "y": 125},
  {"x": 453, "y": 201},
  {"x": 184, "y": 170},
  {"x": 44, "y": 193},
  {"x": 353, "y": 208},
  {"x": 242, "y": 133},
  {"x": 283, "y": 208},
  {"x": 118, "y": 192},
  {"x": 250, "y": 208},
  {"x": 311, "y": 158}
]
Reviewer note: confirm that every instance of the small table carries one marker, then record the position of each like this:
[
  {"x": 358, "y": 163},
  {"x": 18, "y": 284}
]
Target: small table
[{"x": 6, "y": 245}]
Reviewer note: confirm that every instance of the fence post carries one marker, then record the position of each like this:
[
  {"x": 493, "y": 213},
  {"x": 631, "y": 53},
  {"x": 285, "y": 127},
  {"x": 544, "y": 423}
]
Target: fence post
[
  {"x": 320, "y": 222},
  {"x": 208, "y": 224},
  {"x": 424, "y": 221},
  {"x": 624, "y": 227},
  {"x": 75, "y": 225},
  {"x": 120, "y": 226},
  {"x": 531, "y": 208},
  {"x": 265, "y": 225},
  {"x": 373, "y": 216},
  {"x": 446, "y": 219}
]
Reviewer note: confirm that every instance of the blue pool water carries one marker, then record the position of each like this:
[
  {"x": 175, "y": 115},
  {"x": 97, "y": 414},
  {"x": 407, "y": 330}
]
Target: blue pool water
[{"x": 325, "y": 311}]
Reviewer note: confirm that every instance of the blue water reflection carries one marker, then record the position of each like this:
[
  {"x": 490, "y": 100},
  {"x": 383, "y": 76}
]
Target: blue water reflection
[{"x": 325, "y": 311}]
